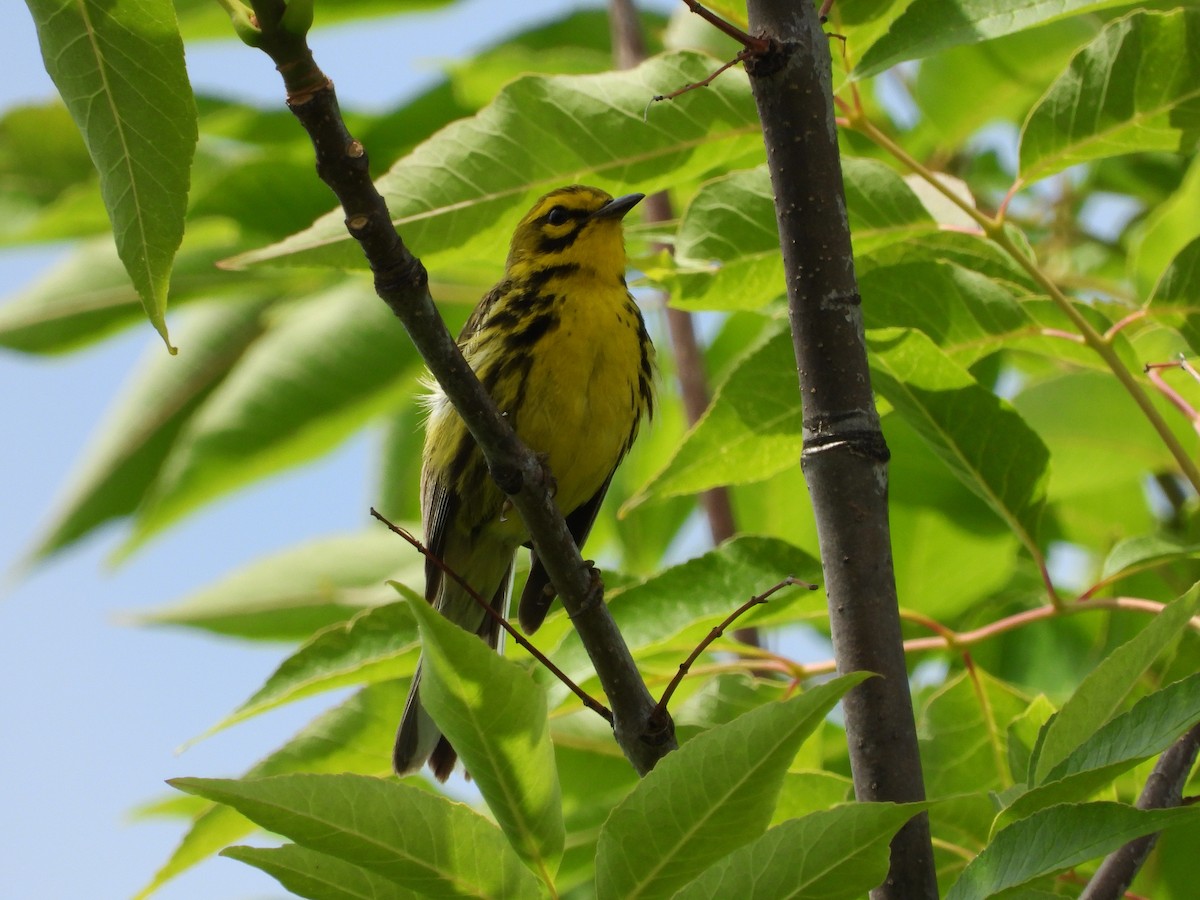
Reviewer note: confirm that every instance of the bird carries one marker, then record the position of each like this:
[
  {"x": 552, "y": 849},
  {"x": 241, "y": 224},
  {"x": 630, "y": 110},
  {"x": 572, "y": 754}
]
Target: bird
[{"x": 562, "y": 348}]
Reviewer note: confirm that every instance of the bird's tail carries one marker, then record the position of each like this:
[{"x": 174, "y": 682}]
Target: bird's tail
[{"x": 418, "y": 739}]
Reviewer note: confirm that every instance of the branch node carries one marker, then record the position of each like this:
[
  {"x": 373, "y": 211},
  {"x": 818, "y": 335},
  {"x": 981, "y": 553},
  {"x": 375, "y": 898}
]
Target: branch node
[{"x": 770, "y": 58}]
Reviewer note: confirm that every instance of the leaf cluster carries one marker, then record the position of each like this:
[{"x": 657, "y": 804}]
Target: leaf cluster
[{"x": 1030, "y": 181}]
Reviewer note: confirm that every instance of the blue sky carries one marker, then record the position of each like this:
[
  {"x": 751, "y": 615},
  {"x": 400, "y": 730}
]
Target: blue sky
[{"x": 92, "y": 711}]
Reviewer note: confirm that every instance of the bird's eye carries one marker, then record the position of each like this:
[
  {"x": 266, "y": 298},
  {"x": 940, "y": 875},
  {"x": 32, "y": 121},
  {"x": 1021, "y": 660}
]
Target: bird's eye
[{"x": 557, "y": 216}]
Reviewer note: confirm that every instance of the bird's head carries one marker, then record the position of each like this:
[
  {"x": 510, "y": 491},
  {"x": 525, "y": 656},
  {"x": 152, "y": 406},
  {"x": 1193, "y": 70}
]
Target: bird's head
[{"x": 572, "y": 225}]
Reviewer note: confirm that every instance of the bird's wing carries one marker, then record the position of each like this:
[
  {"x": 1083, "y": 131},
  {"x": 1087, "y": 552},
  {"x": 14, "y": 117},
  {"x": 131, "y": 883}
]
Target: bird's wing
[
  {"x": 538, "y": 593},
  {"x": 437, "y": 512}
]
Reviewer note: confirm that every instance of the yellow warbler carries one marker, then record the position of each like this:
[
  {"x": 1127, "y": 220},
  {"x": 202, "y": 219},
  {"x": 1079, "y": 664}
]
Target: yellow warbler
[{"x": 561, "y": 347}]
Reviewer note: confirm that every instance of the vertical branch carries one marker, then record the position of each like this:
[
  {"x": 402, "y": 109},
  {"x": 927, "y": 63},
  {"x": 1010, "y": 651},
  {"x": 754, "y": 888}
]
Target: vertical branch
[
  {"x": 629, "y": 49},
  {"x": 844, "y": 456}
]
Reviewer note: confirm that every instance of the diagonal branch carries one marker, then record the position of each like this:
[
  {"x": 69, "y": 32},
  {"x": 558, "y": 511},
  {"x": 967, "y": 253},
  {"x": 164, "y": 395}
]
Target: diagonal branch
[
  {"x": 1163, "y": 790},
  {"x": 402, "y": 282}
]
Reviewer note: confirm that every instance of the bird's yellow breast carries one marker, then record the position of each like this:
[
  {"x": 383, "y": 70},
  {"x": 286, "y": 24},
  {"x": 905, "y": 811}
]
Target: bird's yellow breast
[
  {"x": 583, "y": 402},
  {"x": 570, "y": 376}
]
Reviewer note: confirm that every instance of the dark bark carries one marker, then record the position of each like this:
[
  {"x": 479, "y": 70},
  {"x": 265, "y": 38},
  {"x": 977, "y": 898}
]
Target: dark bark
[
  {"x": 844, "y": 457},
  {"x": 1163, "y": 790}
]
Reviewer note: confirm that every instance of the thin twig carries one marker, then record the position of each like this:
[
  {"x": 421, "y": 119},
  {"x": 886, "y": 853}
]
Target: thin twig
[
  {"x": 589, "y": 701},
  {"x": 753, "y": 44},
  {"x": 720, "y": 630},
  {"x": 1115, "y": 328},
  {"x": 1154, "y": 373},
  {"x": 704, "y": 82},
  {"x": 956, "y": 641}
]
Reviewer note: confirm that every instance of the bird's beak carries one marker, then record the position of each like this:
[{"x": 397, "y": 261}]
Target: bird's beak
[{"x": 616, "y": 209}]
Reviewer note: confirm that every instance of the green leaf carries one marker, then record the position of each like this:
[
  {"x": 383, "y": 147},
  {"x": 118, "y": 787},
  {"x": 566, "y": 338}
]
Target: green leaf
[
  {"x": 727, "y": 243},
  {"x": 87, "y": 296},
  {"x": 375, "y": 645},
  {"x": 453, "y": 201},
  {"x": 288, "y": 595},
  {"x": 1177, "y": 290},
  {"x": 355, "y": 736},
  {"x": 495, "y": 717},
  {"x": 964, "y": 89},
  {"x": 834, "y": 854},
  {"x": 1101, "y": 694},
  {"x": 982, "y": 439},
  {"x": 1136, "y": 87},
  {"x": 44, "y": 164},
  {"x": 595, "y": 777},
  {"x": 124, "y": 458},
  {"x": 422, "y": 842},
  {"x": 972, "y": 252},
  {"x": 1144, "y": 551},
  {"x": 1166, "y": 231},
  {"x": 574, "y": 44},
  {"x": 962, "y": 734},
  {"x": 1096, "y": 484},
  {"x": 751, "y": 430},
  {"x": 927, "y": 26},
  {"x": 328, "y": 365},
  {"x": 1152, "y": 725},
  {"x": 120, "y": 71},
  {"x": 202, "y": 20},
  {"x": 320, "y": 876},
  {"x": 808, "y": 792},
  {"x": 1055, "y": 839},
  {"x": 966, "y": 314},
  {"x": 709, "y": 797},
  {"x": 923, "y": 538}
]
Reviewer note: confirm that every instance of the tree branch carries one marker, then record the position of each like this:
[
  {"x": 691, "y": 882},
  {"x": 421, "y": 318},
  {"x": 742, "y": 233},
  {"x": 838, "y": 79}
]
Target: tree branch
[
  {"x": 844, "y": 456},
  {"x": 1163, "y": 790},
  {"x": 402, "y": 282}
]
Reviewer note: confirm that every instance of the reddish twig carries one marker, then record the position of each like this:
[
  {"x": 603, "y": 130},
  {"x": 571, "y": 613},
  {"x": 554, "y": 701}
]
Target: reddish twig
[
  {"x": 1116, "y": 327},
  {"x": 720, "y": 630},
  {"x": 1176, "y": 399},
  {"x": 590, "y": 702}
]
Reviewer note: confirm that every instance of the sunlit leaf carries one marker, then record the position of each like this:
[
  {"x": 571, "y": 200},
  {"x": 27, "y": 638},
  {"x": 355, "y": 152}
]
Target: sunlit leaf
[
  {"x": 1136, "y": 87},
  {"x": 709, "y": 797},
  {"x": 458, "y": 195},
  {"x": 927, "y": 26},
  {"x": 422, "y": 842},
  {"x": 120, "y": 71}
]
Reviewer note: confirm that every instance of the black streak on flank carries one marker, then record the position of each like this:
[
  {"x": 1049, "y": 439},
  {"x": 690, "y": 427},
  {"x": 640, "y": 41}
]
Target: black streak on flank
[{"x": 537, "y": 328}]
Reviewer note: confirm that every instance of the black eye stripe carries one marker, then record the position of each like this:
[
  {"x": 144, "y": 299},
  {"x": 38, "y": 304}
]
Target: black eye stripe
[{"x": 560, "y": 215}]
